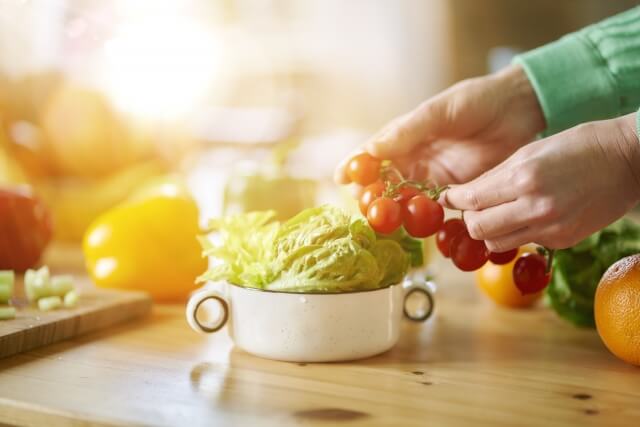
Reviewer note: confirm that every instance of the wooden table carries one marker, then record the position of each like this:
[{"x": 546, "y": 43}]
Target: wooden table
[{"x": 473, "y": 364}]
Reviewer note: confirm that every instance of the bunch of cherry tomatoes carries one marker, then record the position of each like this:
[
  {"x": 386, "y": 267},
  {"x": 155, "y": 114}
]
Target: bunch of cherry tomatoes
[{"x": 389, "y": 201}]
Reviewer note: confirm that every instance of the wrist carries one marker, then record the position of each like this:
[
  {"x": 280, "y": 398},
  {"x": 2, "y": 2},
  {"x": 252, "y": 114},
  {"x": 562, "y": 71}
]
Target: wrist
[
  {"x": 630, "y": 148},
  {"x": 515, "y": 82}
]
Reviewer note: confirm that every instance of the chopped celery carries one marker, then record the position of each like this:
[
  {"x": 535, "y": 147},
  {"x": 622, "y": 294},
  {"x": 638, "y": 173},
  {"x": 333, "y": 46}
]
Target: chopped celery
[
  {"x": 6, "y": 277},
  {"x": 71, "y": 299},
  {"x": 34, "y": 292},
  {"x": 38, "y": 277},
  {"x": 6, "y": 291},
  {"x": 49, "y": 303},
  {"x": 6, "y": 285},
  {"x": 7, "y": 313},
  {"x": 61, "y": 285},
  {"x": 37, "y": 283}
]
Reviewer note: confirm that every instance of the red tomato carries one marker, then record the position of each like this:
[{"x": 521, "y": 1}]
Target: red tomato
[
  {"x": 25, "y": 229},
  {"x": 384, "y": 215},
  {"x": 468, "y": 254},
  {"x": 405, "y": 194},
  {"x": 530, "y": 273},
  {"x": 370, "y": 193},
  {"x": 450, "y": 229},
  {"x": 364, "y": 169},
  {"x": 501, "y": 258},
  {"x": 422, "y": 217}
]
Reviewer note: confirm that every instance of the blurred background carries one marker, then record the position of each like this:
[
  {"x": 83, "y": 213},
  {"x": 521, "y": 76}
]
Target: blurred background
[{"x": 250, "y": 102}]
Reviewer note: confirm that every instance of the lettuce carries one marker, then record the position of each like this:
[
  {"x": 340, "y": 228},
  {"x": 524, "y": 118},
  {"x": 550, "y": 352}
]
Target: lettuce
[
  {"x": 321, "y": 249},
  {"x": 577, "y": 270}
]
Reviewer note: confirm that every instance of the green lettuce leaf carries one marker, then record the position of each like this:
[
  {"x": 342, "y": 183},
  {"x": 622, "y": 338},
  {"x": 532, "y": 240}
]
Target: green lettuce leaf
[
  {"x": 414, "y": 247},
  {"x": 321, "y": 249},
  {"x": 392, "y": 260},
  {"x": 577, "y": 270}
]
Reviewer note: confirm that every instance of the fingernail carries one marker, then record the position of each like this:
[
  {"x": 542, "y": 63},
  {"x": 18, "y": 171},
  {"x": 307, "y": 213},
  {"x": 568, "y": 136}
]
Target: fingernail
[{"x": 443, "y": 199}]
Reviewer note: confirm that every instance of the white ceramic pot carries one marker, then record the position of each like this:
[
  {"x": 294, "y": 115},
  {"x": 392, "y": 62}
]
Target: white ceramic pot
[{"x": 311, "y": 327}]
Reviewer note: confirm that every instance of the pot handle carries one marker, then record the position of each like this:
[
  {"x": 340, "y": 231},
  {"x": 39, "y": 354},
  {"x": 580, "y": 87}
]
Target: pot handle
[
  {"x": 196, "y": 300},
  {"x": 421, "y": 287}
]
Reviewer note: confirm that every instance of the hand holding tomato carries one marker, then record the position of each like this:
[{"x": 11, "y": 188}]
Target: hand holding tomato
[
  {"x": 460, "y": 133},
  {"x": 556, "y": 191}
]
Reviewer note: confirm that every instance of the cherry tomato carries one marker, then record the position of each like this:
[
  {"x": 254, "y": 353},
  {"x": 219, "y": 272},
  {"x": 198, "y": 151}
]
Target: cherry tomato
[
  {"x": 422, "y": 217},
  {"x": 530, "y": 273},
  {"x": 447, "y": 232},
  {"x": 405, "y": 194},
  {"x": 25, "y": 229},
  {"x": 384, "y": 215},
  {"x": 364, "y": 169},
  {"x": 370, "y": 193},
  {"x": 501, "y": 258},
  {"x": 467, "y": 253},
  {"x": 496, "y": 281}
]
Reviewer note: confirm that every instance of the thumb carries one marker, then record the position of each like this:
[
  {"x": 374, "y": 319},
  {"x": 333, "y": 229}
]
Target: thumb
[{"x": 404, "y": 133}]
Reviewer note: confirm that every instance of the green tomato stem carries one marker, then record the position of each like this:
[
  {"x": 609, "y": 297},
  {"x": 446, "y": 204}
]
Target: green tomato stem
[{"x": 550, "y": 254}]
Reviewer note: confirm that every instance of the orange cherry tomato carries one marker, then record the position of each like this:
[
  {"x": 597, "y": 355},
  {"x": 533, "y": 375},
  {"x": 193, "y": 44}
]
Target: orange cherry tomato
[{"x": 364, "y": 169}]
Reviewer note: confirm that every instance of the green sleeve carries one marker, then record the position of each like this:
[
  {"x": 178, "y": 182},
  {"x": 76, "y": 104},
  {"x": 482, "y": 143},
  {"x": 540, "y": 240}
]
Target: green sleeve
[{"x": 589, "y": 75}]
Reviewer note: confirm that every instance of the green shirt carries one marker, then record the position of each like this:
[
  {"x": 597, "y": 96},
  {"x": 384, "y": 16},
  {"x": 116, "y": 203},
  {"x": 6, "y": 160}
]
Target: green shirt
[{"x": 591, "y": 74}]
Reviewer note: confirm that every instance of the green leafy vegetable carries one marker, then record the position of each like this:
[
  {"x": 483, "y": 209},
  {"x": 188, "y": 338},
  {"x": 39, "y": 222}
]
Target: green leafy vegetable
[
  {"x": 577, "y": 270},
  {"x": 414, "y": 247},
  {"x": 321, "y": 249}
]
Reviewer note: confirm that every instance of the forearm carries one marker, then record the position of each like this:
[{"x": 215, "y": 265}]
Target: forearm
[{"x": 589, "y": 75}]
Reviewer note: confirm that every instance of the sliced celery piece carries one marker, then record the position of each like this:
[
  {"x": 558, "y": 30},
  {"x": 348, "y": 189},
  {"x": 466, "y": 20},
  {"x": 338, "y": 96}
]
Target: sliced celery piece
[
  {"x": 5, "y": 293},
  {"x": 37, "y": 283},
  {"x": 49, "y": 303},
  {"x": 7, "y": 313},
  {"x": 6, "y": 277},
  {"x": 61, "y": 285},
  {"x": 6, "y": 285},
  {"x": 71, "y": 299}
]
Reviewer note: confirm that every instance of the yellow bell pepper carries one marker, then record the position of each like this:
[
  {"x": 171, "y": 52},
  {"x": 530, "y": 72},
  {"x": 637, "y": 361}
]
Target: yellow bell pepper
[{"x": 147, "y": 244}]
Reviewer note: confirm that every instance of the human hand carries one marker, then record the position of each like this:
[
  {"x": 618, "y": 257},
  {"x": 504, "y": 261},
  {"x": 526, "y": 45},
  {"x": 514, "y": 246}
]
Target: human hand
[
  {"x": 462, "y": 132},
  {"x": 556, "y": 191}
]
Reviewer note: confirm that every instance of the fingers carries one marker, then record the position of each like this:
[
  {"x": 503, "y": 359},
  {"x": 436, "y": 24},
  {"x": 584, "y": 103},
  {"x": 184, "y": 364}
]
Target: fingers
[
  {"x": 491, "y": 189},
  {"x": 500, "y": 220},
  {"x": 512, "y": 240},
  {"x": 399, "y": 138},
  {"x": 413, "y": 166},
  {"x": 403, "y": 134},
  {"x": 340, "y": 174}
]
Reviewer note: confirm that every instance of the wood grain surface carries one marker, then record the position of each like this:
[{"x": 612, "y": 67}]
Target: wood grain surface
[
  {"x": 96, "y": 309},
  {"x": 473, "y": 364}
]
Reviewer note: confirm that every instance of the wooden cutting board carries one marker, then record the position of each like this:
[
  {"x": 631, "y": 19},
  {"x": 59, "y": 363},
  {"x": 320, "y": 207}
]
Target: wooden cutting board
[{"x": 97, "y": 309}]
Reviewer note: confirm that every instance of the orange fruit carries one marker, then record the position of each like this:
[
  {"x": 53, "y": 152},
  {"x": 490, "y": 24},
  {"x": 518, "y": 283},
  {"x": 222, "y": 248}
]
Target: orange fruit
[
  {"x": 496, "y": 281},
  {"x": 617, "y": 309}
]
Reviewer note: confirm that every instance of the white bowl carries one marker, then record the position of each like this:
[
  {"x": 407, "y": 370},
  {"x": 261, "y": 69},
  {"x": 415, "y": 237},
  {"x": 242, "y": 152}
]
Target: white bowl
[{"x": 311, "y": 327}]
